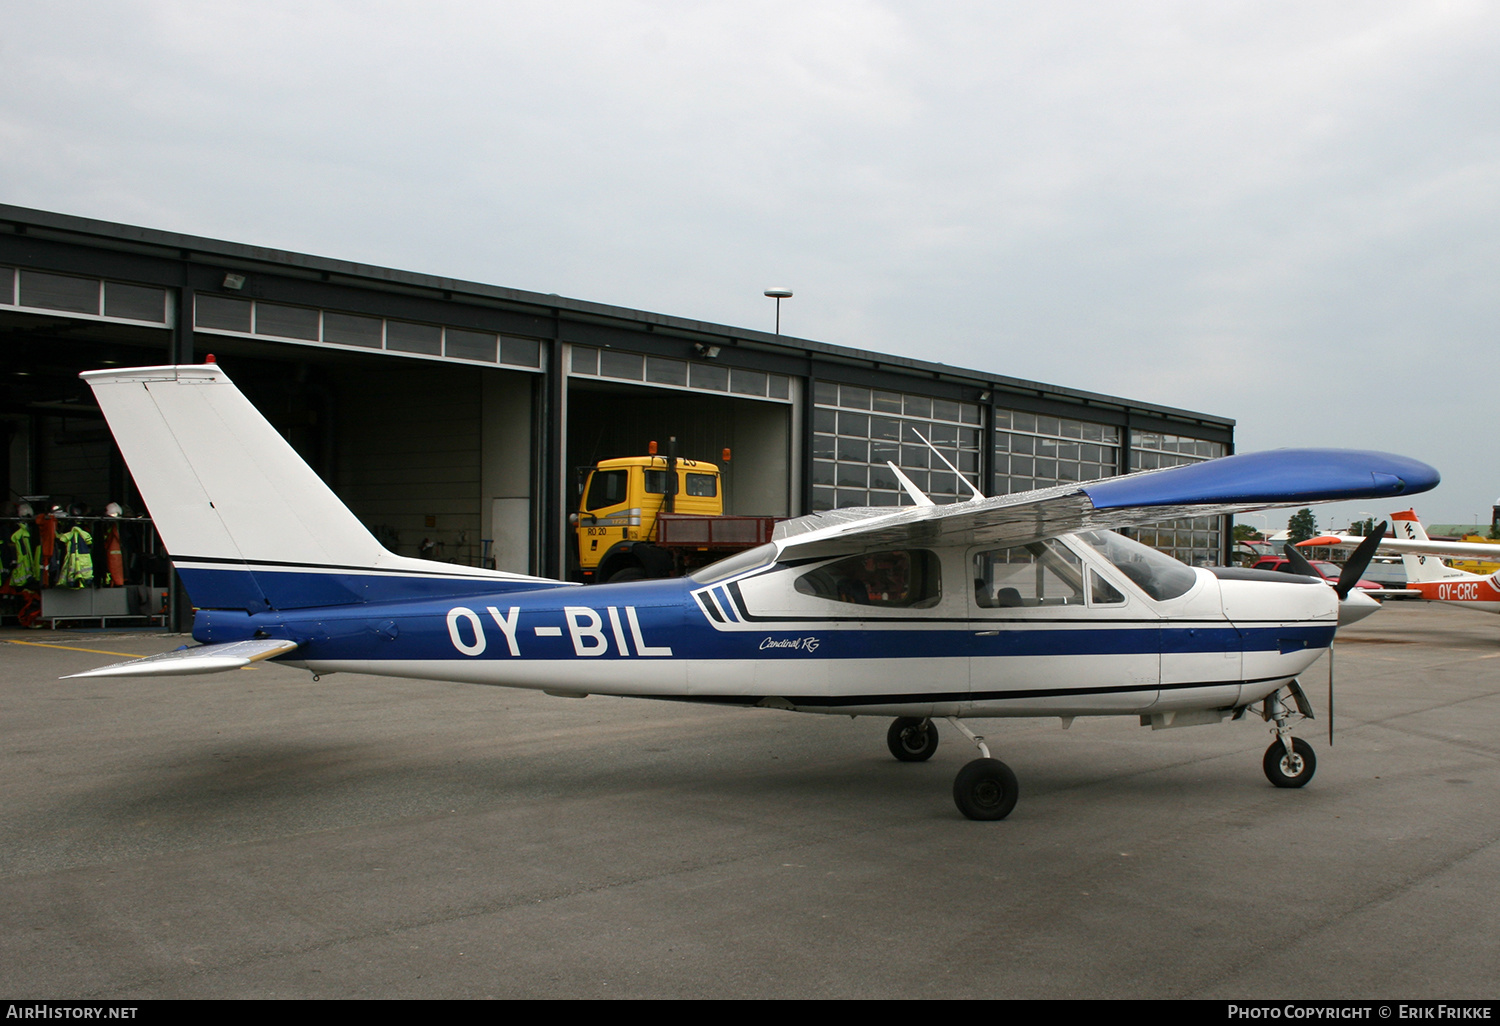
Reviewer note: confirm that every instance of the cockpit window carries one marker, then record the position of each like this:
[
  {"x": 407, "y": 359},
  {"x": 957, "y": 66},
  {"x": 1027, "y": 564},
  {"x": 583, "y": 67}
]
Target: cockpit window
[
  {"x": 1025, "y": 576},
  {"x": 1101, "y": 592},
  {"x": 1155, "y": 573},
  {"x": 905, "y": 578}
]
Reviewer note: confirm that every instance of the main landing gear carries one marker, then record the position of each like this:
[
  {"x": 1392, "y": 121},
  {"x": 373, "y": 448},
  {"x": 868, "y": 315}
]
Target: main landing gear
[{"x": 984, "y": 789}]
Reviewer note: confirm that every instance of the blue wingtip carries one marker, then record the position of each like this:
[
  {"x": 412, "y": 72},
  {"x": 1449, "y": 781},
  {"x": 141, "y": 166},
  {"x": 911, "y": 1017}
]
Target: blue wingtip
[{"x": 1280, "y": 477}]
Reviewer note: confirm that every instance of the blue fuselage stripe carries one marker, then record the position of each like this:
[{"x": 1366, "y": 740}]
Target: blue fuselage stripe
[{"x": 655, "y": 616}]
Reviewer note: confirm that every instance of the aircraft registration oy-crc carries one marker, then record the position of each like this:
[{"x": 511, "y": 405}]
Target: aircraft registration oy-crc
[
  {"x": 1425, "y": 571},
  {"x": 1016, "y": 605}
]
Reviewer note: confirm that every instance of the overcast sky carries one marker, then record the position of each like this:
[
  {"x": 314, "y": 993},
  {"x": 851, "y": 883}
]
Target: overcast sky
[{"x": 1285, "y": 213}]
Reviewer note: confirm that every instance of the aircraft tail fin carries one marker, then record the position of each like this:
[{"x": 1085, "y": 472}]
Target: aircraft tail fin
[
  {"x": 247, "y": 522},
  {"x": 1405, "y": 525},
  {"x": 1419, "y": 567}
]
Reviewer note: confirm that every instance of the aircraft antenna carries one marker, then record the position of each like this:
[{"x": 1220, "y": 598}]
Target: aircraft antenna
[
  {"x": 917, "y": 495},
  {"x": 977, "y": 493}
]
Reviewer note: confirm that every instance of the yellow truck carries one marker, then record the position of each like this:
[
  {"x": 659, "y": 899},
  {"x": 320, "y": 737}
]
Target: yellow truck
[{"x": 657, "y": 516}]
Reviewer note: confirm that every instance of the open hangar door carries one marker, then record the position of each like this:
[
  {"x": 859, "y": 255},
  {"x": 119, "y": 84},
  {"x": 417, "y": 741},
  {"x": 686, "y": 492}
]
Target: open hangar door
[
  {"x": 56, "y": 452},
  {"x": 435, "y": 458},
  {"x": 606, "y": 421}
]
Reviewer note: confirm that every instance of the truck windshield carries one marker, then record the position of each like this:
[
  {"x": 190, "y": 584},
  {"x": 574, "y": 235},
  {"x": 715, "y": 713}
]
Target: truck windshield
[{"x": 606, "y": 489}]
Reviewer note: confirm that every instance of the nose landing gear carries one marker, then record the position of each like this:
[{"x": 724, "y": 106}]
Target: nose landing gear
[{"x": 1289, "y": 762}]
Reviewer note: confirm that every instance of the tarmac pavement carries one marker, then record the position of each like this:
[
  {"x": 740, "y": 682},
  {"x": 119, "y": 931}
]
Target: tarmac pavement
[{"x": 255, "y": 834}]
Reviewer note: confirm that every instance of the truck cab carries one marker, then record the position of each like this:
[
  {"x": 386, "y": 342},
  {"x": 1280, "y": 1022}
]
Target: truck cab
[{"x": 619, "y": 517}]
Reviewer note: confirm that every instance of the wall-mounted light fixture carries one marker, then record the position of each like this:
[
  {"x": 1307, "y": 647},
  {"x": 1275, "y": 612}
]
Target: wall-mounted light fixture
[
  {"x": 707, "y": 352},
  {"x": 234, "y": 281}
]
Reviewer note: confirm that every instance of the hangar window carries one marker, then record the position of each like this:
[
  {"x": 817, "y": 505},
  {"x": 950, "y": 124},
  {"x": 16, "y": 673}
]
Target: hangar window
[
  {"x": 470, "y": 345},
  {"x": 615, "y": 364},
  {"x": 858, "y": 430},
  {"x": 695, "y": 375},
  {"x": 747, "y": 382},
  {"x": 666, "y": 372},
  {"x": 135, "y": 302},
  {"x": 1033, "y": 451},
  {"x": 222, "y": 313},
  {"x": 1197, "y": 541},
  {"x": 426, "y": 339},
  {"x": 352, "y": 330},
  {"x": 60, "y": 292},
  {"x": 521, "y": 352},
  {"x": 286, "y": 321},
  {"x": 329, "y": 327},
  {"x": 711, "y": 377},
  {"x": 91, "y": 298}
]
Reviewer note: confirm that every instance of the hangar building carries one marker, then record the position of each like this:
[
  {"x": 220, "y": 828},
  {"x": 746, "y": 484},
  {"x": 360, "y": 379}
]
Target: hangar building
[{"x": 452, "y": 417}]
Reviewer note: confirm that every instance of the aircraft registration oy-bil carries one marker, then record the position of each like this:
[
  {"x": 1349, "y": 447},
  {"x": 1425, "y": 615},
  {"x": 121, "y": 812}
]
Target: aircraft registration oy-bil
[{"x": 1016, "y": 605}]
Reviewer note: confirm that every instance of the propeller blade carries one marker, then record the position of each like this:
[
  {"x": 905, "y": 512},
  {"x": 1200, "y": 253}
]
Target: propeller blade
[
  {"x": 1296, "y": 563},
  {"x": 1355, "y": 568}
]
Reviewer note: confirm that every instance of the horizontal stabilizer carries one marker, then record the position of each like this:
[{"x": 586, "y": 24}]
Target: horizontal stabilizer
[{"x": 200, "y": 659}]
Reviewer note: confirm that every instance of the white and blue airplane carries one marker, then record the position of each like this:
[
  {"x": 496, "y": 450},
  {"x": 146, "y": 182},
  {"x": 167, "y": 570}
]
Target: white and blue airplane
[{"x": 1016, "y": 605}]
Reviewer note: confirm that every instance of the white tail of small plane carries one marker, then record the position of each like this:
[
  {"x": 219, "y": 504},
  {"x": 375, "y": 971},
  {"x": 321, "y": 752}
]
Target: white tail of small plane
[
  {"x": 247, "y": 522},
  {"x": 1419, "y": 567}
]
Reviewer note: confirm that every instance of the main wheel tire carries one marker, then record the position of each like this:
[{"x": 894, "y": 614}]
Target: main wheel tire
[
  {"x": 1293, "y": 770},
  {"x": 985, "y": 789},
  {"x": 909, "y": 741}
]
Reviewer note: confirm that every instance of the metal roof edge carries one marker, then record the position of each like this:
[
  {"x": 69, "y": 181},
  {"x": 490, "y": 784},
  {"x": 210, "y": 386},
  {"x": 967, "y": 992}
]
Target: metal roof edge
[{"x": 179, "y": 243}]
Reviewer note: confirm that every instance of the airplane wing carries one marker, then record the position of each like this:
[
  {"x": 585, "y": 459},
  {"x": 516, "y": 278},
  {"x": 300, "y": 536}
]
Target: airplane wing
[
  {"x": 1459, "y": 550},
  {"x": 1233, "y": 484},
  {"x": 200, "y": 659}
]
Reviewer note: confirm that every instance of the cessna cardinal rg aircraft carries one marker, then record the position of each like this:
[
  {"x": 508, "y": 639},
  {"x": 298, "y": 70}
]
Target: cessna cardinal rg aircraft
[
  {"x": 1425, "y": 571},
  {"x": 1019, "y": 605}
]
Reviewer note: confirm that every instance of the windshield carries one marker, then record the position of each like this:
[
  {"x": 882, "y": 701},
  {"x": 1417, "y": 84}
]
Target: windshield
[{"x": 1155, "y": 573}]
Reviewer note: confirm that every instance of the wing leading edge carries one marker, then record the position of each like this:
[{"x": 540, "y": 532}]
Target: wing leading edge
[{"x": 1232, "y": 484}]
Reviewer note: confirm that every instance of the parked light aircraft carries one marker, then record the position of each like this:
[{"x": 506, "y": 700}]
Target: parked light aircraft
[
  {"x": 1017, "y": 605},
  {"x": 1425, "y": 570}
]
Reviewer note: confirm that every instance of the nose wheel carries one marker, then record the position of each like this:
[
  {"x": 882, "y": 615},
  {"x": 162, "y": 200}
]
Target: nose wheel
[{"x": 1289, "y": 768}]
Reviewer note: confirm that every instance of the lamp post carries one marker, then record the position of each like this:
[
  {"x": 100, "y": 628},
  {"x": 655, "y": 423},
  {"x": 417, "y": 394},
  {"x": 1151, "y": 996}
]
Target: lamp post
[{"x": 779, "y": 295}]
